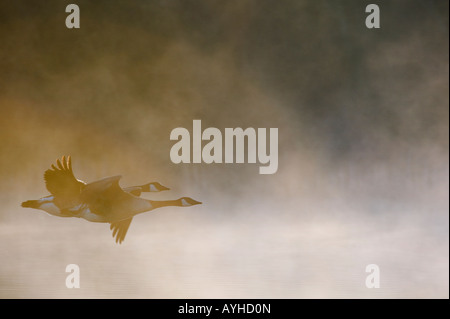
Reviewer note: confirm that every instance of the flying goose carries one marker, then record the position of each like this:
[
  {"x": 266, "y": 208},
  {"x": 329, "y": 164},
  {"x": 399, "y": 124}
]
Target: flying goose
[{"x": 102, "y": 201}]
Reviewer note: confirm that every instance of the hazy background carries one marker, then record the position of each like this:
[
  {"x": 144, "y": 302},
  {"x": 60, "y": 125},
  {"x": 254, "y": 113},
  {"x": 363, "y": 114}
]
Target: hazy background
[{"x": 363, "y": 147}]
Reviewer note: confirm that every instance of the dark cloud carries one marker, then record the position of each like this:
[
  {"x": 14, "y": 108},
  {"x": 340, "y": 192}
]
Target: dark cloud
[{"x": 363, "y": 134}]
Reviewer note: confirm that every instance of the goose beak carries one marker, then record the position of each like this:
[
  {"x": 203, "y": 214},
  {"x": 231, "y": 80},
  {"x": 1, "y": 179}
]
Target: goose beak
[
  {"x": 195, "y": 202},
  {"x": 163, "y": 188},
  {"x": 155, "y": 186}
]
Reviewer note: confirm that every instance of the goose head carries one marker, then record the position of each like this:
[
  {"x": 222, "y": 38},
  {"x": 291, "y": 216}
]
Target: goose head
[
  {"x": 187, "y": 201},
  {"x": 154, "y": 187}
]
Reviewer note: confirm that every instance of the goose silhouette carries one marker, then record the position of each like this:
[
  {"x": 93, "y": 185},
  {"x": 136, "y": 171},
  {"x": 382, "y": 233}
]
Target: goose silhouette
[{"x": 102, "y": 201}]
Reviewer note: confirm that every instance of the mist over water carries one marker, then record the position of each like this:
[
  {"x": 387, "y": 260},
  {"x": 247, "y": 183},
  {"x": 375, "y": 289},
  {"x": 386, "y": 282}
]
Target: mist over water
[{"x": 363, "y": 147}]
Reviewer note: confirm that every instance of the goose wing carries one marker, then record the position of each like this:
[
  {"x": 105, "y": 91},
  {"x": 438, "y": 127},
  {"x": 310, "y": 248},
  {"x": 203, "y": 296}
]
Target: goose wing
[
  {"x": 133, "y": 190},
  {"x": 106, "y": 197},
  {"x": 120, "y": 229},
  {"x": 62, "y": 184}
]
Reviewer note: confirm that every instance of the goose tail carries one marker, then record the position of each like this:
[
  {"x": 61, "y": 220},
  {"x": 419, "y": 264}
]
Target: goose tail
[{"x": 31, "y": 204}]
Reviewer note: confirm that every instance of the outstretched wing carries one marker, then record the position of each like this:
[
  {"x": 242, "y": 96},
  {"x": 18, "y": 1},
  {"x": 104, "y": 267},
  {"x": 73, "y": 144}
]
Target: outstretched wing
[
  {"x": 62, "y": 184},
  {"x": 120, "y": 229},
  {"x": 106, "y": 198}
]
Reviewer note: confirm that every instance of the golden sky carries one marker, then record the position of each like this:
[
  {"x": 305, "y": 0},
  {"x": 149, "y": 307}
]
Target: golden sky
[{"x": 363, "y": 146}]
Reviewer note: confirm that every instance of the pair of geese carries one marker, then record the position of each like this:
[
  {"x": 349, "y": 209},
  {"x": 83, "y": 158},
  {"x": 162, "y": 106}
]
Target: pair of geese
[{"x": 102, "y": 201}]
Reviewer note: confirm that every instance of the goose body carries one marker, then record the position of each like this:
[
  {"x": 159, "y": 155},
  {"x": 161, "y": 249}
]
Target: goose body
[{"x": 102, "y": 201}]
